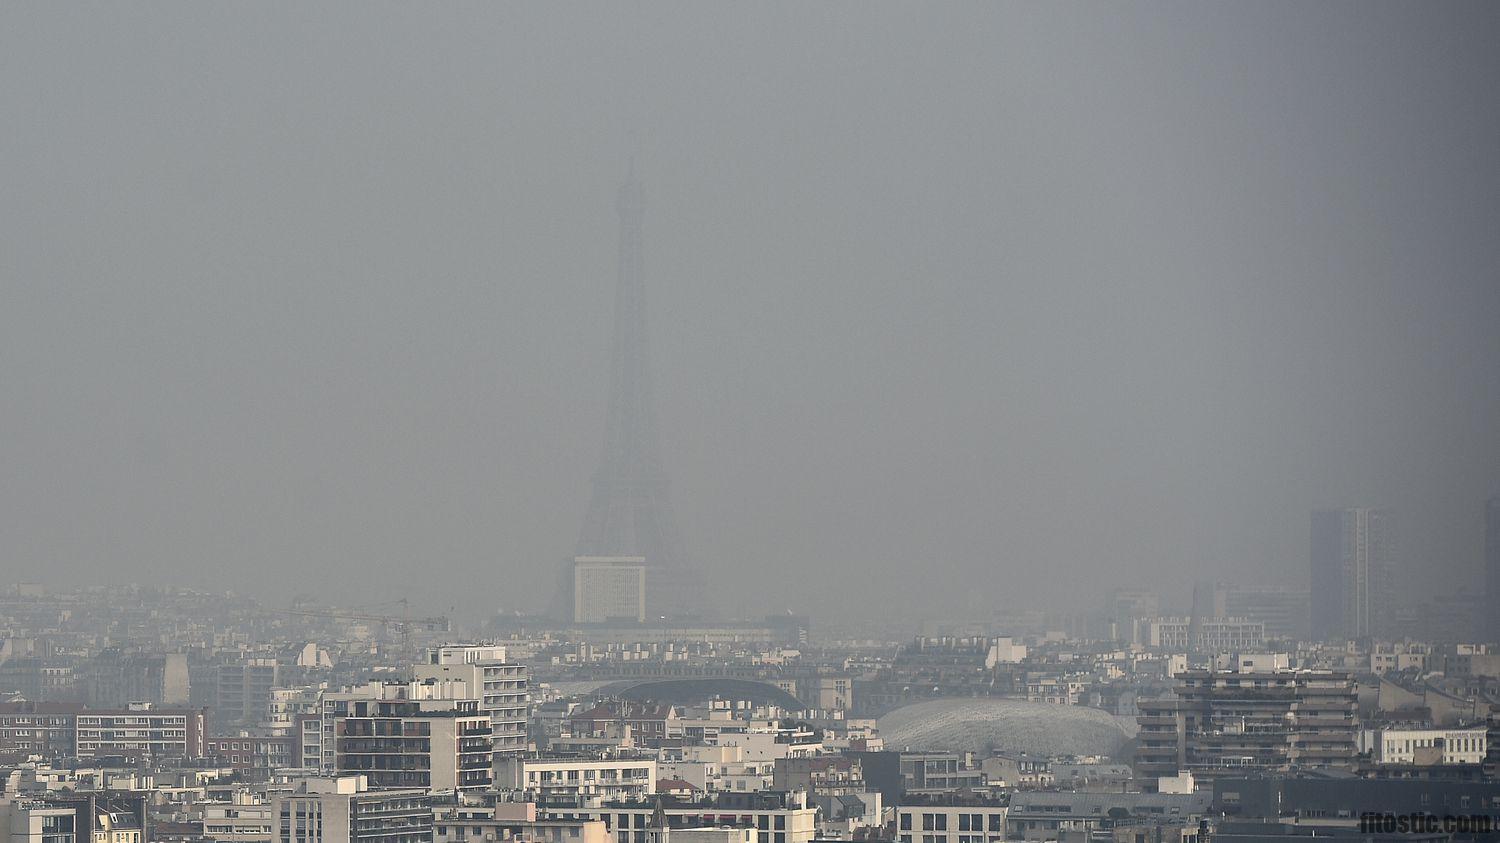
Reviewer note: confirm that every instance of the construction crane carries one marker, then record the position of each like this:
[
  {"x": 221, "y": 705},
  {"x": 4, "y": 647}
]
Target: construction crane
[{"x": 401, "y": 624}]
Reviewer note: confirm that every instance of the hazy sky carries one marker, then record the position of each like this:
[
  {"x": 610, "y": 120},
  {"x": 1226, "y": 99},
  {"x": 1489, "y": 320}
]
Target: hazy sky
[{"x": 967, "y": 305}]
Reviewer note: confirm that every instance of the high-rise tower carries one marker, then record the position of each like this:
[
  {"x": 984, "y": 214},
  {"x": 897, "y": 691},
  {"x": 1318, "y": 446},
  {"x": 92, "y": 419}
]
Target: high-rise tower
[
  {"x": 629, "y": 514},
  {"x": 1353, "y": 573},
  {"x": 1492, "y": 565}
]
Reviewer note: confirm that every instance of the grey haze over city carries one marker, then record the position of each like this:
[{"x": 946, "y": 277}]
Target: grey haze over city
[{"x": 951, "y": 307}]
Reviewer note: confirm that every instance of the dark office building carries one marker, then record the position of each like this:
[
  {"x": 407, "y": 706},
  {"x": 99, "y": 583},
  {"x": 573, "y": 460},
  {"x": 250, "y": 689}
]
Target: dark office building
[
  {"x": 1492, "y": 565},
  {"x": 1334, "y": 805},
  {"x": 1353, "y": 573}
]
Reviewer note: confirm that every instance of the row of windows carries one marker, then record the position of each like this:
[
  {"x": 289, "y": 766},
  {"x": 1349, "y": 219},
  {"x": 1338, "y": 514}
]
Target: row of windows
[
  {"x": 966, "y": 822},
  {"x": 175, "y": 747},
  {"x": 641, "y": 837},
  {"x": 230, "y": 746},
  {"x": 165, "y": 734},
  {"x": 1460, "y": 744},
  {"x": 479, "y": 830},
  {"x": 1096, "y": 809},
  {"x": 764, "y": 822},
  {"x": 587, "y": 775}
]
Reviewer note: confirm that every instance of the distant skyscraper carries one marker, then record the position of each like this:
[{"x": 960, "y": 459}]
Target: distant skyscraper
[
  {"x": 1210, "y": 600},
  {"x": 629, "y": 514},
  {"x": 1492, "y": 565},
  {"x": 1283, "y": 611},
  {"x": 1353, "y": 573}
]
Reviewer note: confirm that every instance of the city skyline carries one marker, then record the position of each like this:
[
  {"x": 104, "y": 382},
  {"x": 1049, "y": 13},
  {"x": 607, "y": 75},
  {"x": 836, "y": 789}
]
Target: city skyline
[
  {"x": 1065, "y": 294},
  {"x": 715, "y": 422}
]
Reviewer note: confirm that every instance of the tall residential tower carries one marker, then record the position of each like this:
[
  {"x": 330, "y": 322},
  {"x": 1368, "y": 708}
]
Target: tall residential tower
[
  {"x": 1492, "y": 565},
  {"x": 1353, "y": 573}
]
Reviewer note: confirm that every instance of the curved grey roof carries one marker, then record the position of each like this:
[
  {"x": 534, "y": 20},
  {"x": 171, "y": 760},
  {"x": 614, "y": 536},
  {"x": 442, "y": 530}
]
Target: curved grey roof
[
  {"x": 685, "y": 691},
  {"x": 982, "y": 724}
]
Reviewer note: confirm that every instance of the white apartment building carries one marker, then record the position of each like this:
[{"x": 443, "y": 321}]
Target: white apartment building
[
  {"x": 1064, "y": 690},
  {"x": 1434, "y": 746},
  {"x": 767, "y": 744},
  {"x": 947, "y": 821},
  {"x": 1004, "y": 650},
  {"x": 245, "y": 819},
  {"x": 513, "y": 821},
  {"x": 583, "y": 779},
  {"x": 1252, "y": 662},
  {"x": 717, "y": 768},
  {"x": 287, "y": 707},
  {"x": 502, "y": 687},
  {"x": 1398, "y": 656},
  {"x": 425, "y": 734},
  {"x": 1210, "y": 635},
  {"x": 344, "y": 810},
  {"x": 773, "y": 817}
]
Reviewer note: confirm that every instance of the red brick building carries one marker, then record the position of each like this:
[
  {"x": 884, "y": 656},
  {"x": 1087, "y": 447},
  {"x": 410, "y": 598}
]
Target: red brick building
[{"x": 38, "y": 728}]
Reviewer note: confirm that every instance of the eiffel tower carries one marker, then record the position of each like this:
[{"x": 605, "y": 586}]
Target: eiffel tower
[{"x": 629, "y": 513}]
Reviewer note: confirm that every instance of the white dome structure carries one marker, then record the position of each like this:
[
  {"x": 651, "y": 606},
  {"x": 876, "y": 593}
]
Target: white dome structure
[{"x": 981, "y": 724}]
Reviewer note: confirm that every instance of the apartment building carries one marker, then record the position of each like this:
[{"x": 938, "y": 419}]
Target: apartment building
[
  {"x": 580, "y": 780},
  {"x": 38, "y": 728},
  {"x": 950, "y": 818},
  {"x": 77, "y": 818},
  {"x": 819, "y": 775},
  {"x": 1431, "y": 746},
  {"x": 650, "y": 723},
  {"x": 245, "y": 818},
  {"x": 436, "y": 744},
  {"x": 1046, "y": 815},
  {"x": 114, "y": 678},
  {"x": 42, "y": 679},
  {"x": 141, "y": 731},
  {"x": 1208, "y": 635},
  {"x": 502, "y": 688},
  {"x": 938, "y": 772},
  {"x": 513, "y": 821},
  {"x": 1222, "y": 722},
  {"x": 1388, "y": 657},
  {"x": 255, "y": 755},
  {"x": 717, "y": 767},
  {"x": 1059, "y": 690},
  {"x": 775, "y": 817},
  {"x": 287, "y": 707},
  {"x": 345, "y": 809},
  {"x": 242, "y": 691}
]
